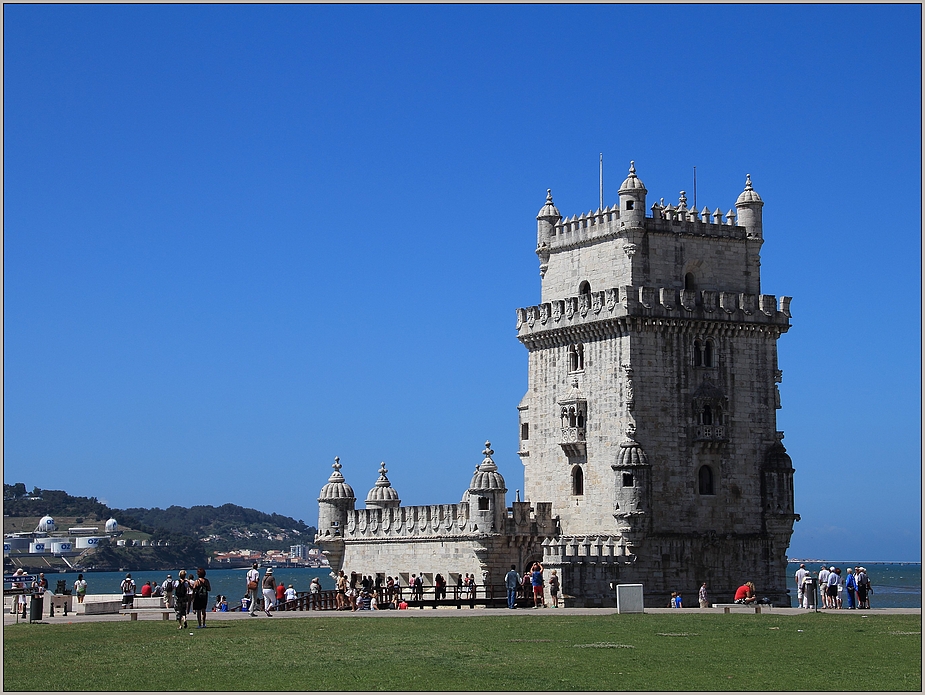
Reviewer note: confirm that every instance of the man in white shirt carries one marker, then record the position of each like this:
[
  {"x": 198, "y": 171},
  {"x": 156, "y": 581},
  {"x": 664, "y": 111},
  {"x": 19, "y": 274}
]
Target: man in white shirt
[
  {"x": 823, "y": 583},
  {"x": 800, "y": 577},
  {"x": 253, "y": 580},
  {"x": 832, "y": 590}
]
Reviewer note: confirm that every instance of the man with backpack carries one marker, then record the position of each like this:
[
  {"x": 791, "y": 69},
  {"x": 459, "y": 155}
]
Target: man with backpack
[
  {"x": 167, "y": 588},
  {"x": 181, "y": 593},
  {"x": 128, "y": 592}
]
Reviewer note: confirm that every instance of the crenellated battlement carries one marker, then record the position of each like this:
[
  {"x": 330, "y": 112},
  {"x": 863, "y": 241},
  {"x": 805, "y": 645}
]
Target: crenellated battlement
[
  {"x": 443, "y": 520},
  {"x": 594, "y": 549},
  {"x": 629, "y": 301},
  {"x": 606, "y": 222}
]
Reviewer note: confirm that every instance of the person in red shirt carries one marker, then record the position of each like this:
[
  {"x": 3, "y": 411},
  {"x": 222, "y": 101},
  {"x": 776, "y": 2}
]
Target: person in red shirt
[
  {"x": 146, "y": 590},
  {"x": 280, "y": 593},
  {"x": 745, "y": 593}
]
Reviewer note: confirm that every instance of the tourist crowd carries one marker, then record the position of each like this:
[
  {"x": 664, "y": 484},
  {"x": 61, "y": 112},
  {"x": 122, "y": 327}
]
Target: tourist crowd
[{"x": 830, "y": 588}]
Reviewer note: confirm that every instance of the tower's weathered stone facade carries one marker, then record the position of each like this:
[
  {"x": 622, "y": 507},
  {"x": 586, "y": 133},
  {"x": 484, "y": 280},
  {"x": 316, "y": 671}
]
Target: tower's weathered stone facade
[
  {"x": 648, "y": 431},
  {"x": 650, "y": 417}
]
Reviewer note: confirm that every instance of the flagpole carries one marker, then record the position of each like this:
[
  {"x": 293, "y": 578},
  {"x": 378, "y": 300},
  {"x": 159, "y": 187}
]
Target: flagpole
[{"x": 602, "y": 181}]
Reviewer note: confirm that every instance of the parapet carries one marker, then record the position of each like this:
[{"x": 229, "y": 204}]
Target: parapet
[
  {"x": 409, "y": 522},
  {"x": 606, "y": 222},
  {"x": 592, "y": 549},
  {"x": 653, "y": 302}
]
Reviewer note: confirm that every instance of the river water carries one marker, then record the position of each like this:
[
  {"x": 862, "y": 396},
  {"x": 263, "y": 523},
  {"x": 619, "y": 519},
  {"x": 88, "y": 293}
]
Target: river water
[{"x": 896, "y": 585}]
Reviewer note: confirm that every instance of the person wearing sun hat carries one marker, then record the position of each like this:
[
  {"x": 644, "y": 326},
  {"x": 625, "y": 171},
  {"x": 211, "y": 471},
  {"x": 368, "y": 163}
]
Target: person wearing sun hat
[{"x": 269, "y": 592}]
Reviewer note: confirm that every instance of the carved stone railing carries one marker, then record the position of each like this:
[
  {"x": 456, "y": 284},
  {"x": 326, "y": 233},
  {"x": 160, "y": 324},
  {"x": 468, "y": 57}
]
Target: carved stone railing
[
  {"x": 572, "y": 441},
  {"x": 710, "y": 433}
]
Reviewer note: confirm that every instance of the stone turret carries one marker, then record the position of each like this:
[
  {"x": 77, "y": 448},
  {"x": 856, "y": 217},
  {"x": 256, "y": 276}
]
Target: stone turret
[
  {"x": 632, "y": 200},
  {"x": 748, "y": 208},
  {"x": 546, "y": 221},
  {"x": 486, "y": 495},
  {"x": 632, "y": 485},
  {"x": 336, "y": 500},
  {"x": 382, "y": 495}
]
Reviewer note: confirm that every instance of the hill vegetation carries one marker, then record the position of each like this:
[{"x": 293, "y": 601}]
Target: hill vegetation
[{"x": 200, "y": 530}]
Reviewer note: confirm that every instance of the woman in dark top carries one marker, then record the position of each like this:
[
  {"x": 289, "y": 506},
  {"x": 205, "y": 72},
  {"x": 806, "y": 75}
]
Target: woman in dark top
[{"x": 201, "y": 589}]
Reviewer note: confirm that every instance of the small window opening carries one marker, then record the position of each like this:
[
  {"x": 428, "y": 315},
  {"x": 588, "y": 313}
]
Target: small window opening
[
  {"x": 576, "y": 358},
  {"x": 627, "y": 480},
  {"x": 525, "y": 431},
  {"x": 706, "y": 416},
  {"x": 584, "y": 288},
  {"x": 629, "y": 204},
  {"x": 578, "y": 481},
  {"x": 698, "y": 354},
  {"x": 689, "y": 283},
  {"x": 705, "y": 480},
  {"x": 483, "y": 504},
  {"x": 708, "y": 354}
]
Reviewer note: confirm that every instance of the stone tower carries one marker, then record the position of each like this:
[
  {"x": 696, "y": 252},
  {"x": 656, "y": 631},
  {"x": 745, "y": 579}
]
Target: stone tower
[{"x": 650, "y": 417}]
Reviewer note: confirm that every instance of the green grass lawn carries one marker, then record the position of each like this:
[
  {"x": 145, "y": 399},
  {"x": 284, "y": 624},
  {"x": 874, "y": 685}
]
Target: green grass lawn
[{"x": 516, "y": 652}]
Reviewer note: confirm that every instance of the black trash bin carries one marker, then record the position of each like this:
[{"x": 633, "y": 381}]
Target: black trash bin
[{"x": 35, "y": 608}]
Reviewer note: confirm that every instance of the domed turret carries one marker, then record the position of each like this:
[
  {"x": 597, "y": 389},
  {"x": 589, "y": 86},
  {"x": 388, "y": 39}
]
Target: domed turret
[
  {"x": 486, "y": 496},
  {"x": 633, "y": 480},
  {"x": 632, "y": 200},
  {"x": 46, "y": 525},
  {"x": 546, "y": 220},
  {"x": 337, "y": 487},
  {"x": 486, "y": 476},
  {"x": 335, "y": 501},
  {"x": 748, "y": 210},
  {"x": 383, "y": 495},
  {"x": 112, "y": 526}
]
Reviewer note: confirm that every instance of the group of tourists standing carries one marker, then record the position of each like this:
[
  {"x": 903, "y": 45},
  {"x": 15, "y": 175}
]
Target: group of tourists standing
[{"x": 836, "y": 590}]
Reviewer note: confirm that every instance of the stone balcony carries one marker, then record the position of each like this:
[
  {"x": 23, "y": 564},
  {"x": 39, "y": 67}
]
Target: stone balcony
[{"x": 573, "y": 442}]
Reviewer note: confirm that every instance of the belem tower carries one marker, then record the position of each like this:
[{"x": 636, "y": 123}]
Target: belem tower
[{"x": 648, "y": 432}]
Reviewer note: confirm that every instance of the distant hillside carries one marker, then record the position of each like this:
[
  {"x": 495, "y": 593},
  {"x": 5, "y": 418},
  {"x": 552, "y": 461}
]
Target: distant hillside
[
  {"x": 218, "y": 529},
  {"x": 229, "y": 527}
]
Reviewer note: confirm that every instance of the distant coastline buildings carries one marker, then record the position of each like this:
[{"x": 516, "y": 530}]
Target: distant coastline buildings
[{"x": 648, "y": 431}]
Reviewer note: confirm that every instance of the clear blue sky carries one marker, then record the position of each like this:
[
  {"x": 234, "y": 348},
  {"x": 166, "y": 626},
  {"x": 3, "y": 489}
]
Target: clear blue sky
[{"x": 243, "y": 240}]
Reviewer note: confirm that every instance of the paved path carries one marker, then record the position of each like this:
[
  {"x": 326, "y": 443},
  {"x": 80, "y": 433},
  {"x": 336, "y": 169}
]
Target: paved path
[{"x": 453, "y": 613}]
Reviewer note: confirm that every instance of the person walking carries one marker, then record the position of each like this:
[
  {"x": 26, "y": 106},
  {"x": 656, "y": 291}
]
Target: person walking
[
  {"x": 80, "y": 588},
  {"x": 167, "y": 588},
  {"x": 512, "y": 584},
  {"x": 269, "y": 592},
  {"x": 831, "y": 592},
  {"x": 201, "y": 589},
  {"x": 702, "y": 597},
  {"x": 253, "y": 588},
  {"x": 181, "y": 594}
]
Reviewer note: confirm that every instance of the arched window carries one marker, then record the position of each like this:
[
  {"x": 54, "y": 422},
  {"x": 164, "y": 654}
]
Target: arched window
[
  {"x": 708, "y": 354},
  {"x": 689, "y": 283},
  {"x": 698, "y": 354},
  {"x": 578, "y": 481},
  {"x": 584, "y": 288},
  {"x": 706, "y": 415},
  {"x": 705, "y": 480},
  {"x": 576, "y": 358}
]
